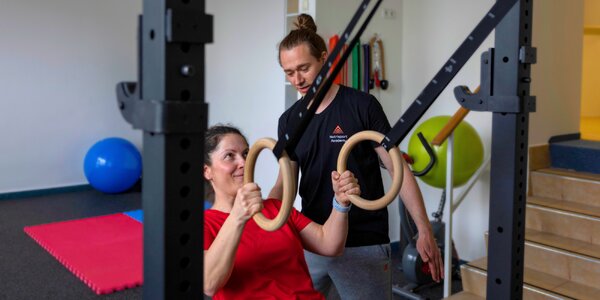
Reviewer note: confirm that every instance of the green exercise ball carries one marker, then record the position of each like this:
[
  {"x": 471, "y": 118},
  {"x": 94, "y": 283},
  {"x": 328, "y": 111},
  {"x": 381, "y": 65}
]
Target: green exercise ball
[{"x": 468, "y": 152}]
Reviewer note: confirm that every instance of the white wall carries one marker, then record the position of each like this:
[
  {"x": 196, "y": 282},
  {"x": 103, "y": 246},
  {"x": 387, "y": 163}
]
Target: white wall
[
  {"x": 432, "y": 30},
  {"x": 59, "y": 68},
  {"x": 556, "y": 78},
  {"x": 59, "y": 64},
  {"x": 244, "y": 83}
]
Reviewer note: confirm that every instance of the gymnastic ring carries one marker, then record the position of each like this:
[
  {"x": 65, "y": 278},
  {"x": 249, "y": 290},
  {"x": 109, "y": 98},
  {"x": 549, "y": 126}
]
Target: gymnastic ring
[
  {"x": 289, "y": 184},
  {"x": 396, "y": 162}
]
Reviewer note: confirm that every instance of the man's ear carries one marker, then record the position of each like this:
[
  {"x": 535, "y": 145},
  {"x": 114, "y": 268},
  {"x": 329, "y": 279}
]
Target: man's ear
[
  {"x": 324, "y": 56},
  {"x": 207, "y": 173}
]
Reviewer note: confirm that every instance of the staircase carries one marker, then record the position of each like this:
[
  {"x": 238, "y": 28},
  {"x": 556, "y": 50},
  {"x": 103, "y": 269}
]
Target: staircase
[{"x": 562, "y": 239}]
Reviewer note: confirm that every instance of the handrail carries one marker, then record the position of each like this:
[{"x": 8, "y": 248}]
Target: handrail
[
  {"x": 474, "y": 178},
  {"x": 448, "y": 133},
  {"x": 458, "y": 116},
  {"x": 448, "y": 212}
]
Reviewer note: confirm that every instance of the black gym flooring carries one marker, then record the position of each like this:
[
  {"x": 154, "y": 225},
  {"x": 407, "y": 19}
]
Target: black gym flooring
[{"x": 29, "y": 272}]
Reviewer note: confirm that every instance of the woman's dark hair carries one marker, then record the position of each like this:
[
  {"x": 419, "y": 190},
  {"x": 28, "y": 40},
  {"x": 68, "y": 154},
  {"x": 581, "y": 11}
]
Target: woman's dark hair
[
  {"x": 213, "y": 136},
  {"x": 305, "y": 32}
]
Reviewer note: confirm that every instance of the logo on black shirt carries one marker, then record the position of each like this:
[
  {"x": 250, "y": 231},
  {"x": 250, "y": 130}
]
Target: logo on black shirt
[
  {"x": 338, "y": 136},
  {"x": 338, "y": 130}
]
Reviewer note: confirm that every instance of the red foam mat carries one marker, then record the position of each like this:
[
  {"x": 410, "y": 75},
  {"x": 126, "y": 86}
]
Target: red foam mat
[{"x": 104, "y": 252}]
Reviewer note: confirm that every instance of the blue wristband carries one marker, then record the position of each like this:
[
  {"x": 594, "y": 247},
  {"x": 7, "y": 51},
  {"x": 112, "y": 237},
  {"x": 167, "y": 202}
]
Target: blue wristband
[{"x": 339, "y": 207}]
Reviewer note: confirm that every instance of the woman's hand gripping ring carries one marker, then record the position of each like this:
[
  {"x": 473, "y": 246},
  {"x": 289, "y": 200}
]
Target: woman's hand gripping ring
[
  {"x": 396, "y": 162},
  {"x": 289, "y": 184}
]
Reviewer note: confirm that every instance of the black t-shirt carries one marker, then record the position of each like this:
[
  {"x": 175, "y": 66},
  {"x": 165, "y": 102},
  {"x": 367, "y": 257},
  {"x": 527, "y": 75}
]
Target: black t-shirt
[{"x": 317, "y": 152}]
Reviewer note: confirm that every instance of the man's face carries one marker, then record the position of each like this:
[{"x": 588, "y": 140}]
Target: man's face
[{"x": 300, "y": 67}]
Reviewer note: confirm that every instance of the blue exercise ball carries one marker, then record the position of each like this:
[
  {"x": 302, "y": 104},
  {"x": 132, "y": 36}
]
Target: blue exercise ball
[{"x": 112, "y": 165}]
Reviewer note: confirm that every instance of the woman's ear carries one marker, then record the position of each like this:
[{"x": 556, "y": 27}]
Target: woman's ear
[{"x": 207, "y": 173}]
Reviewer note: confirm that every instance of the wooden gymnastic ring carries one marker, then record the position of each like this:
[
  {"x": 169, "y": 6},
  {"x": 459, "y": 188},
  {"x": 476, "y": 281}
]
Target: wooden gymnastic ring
[
  {"x": 289, "y": 184},
  {"x": 396, "y": 162}
]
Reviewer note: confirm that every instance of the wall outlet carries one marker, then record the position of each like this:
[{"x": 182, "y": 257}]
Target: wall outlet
[{"x": 389, "y": 13}]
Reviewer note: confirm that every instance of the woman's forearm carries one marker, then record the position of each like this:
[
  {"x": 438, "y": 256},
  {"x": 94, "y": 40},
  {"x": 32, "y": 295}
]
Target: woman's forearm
[
  {"x": 335, "y": 231},
  {"x": 328, "y": 239},
  {"x": 219, "y": 258}
]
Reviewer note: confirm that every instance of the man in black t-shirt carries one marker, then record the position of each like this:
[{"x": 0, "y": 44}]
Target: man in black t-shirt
[
  {"x": 316, "y": 154},
  {"x": 363, "y": 270}
]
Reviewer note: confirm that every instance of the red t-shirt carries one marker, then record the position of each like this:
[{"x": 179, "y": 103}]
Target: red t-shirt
[{"x": 268, "y": 265}]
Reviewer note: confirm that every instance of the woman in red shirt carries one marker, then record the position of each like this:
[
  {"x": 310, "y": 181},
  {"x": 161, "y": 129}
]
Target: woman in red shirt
[{"x": 243, "y": 261}]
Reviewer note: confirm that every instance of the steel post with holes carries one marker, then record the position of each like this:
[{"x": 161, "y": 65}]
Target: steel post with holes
[
  {"x": 512, "y": 58},
  {"x": 168, "y": 104}
]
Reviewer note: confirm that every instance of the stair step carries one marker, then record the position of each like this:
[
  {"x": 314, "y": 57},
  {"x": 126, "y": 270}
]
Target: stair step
[
  {"x": 571, "y": 173},
  {"x": 547, "y": 218},
  {"x": 474, "y": 280},
  {"x": 537, "y": 285},
  {"x": 579, "y": 270},
  {"x": 553, "y": 267},
  {"x": 584, "y": 209},
  {"x": 565, "y": 185},
  {"x": 561, "y": 242},
  {"x": 580, "y": 155}
]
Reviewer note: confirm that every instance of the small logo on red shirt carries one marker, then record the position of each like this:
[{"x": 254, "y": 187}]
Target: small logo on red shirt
[{"x": 338, "y": 130}]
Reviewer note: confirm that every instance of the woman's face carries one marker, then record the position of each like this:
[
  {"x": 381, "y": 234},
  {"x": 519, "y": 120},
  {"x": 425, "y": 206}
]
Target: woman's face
[
  {"x": 300, "y": 67},
  {"x": 226, "y": 172}
]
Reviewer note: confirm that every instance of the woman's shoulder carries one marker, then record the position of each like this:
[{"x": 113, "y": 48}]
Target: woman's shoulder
[
  {"x": 214, "y": 217},
  {"x": 271, "y": 203},
  {"x": 271, "y": 207}
]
